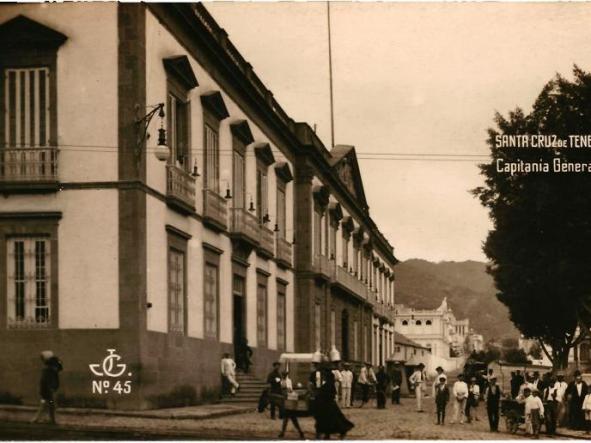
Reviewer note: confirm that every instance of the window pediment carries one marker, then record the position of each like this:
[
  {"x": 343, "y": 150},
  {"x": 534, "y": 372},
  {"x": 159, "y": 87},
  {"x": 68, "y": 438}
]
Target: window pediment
[
  {"x": 214, "y": 103},
  {"x": 23, "y": 33},
  {"x": 241, "y": 130},
  {"x": 283, "y": 171},
  {"x": 179, "y": 67},
  {"x": 264, "y": 153}
]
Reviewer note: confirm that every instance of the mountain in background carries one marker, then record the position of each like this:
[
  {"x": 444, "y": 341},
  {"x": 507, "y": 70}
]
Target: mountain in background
[{"x": 470, "y": 293}]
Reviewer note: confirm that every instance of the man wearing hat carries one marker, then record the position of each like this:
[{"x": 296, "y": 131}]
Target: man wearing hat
[
  {"x": 492, "y": 397},
  {"x": 48, "y": 385}
]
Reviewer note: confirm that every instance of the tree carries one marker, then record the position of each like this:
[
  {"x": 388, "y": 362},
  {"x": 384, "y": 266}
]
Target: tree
[
  {"x": 536, "y": 351},
  {"x": 540, "y": 245},
  {"x": 515, "y": 356}
]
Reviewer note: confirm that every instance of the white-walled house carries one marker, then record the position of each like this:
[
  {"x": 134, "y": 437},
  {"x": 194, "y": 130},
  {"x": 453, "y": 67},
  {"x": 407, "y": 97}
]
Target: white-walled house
[
  {"x": 245, "y": 228},
  {"x": 105, "y": 246}
]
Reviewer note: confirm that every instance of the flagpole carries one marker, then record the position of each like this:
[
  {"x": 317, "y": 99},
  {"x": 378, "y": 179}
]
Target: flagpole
[{"x": 330, "y": 77}]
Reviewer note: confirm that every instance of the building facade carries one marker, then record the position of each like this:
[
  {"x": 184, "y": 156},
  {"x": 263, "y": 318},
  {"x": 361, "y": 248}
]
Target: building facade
[
  {"x": 435, "y": 329},
  {"x": 111, "y": 244},
  {"x": 344, "y": 265}
]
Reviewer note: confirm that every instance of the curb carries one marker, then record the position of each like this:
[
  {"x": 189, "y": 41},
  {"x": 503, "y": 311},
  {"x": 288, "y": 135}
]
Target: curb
[{"x": 151, "y": 414}]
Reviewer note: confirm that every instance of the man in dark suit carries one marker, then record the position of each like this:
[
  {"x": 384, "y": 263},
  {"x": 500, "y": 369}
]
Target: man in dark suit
[
  {"x": 493, "y": 399},
  {"x": 275, "y": 392},
  {"x": 576, "y": 392}
]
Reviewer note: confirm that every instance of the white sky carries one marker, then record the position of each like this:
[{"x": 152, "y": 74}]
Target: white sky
[{"x": 412, "y": 77}]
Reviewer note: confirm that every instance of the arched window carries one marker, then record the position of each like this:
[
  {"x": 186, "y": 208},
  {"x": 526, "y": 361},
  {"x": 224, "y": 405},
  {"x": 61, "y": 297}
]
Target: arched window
[
  {"x": 428, "y": 322},
  {"x": 404, "y": 322},
  {"x": 418, "y": 323}
]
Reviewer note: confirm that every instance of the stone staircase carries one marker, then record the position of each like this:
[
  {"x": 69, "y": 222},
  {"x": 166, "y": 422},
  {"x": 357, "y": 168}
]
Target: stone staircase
[{"x": 250, "y": 390}]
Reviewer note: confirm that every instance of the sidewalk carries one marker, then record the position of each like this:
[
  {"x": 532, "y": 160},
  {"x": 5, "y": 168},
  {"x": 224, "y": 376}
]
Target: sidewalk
[{"x": 201, "y": 412}]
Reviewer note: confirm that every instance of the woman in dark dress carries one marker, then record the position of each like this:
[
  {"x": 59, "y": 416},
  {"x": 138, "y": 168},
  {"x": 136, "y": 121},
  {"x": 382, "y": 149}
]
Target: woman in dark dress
[{"x": 327, "y": 414}]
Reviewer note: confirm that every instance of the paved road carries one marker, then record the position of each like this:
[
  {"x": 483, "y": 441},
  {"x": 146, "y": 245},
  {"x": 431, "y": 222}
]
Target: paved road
[{"x": 395, "y": 422}]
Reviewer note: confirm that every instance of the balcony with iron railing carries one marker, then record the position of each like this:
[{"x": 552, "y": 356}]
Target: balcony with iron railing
[
  {"x": 324, "y": 267},
  {"x": 180, "y": 188},
  {"x": 215, "y": 210},
  {"x": 29, "y": 169},
  {"x": 244, "y": 226},
  {"x": 284, "y": 252},
  {"x": 349, "y": 281}
]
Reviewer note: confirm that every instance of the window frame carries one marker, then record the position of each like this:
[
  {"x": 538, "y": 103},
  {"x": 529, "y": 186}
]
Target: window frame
[
  {"x": 238, "y": 194},
  {"x": 13, "y": 225},
  {"x": 212, "y": 260},
  {"x": 211, "y": 123},
  {"x": 262, "y": 321},
  {"x": 24, "y": 58},
  {"x": 281, "y": 294},
  {"x": 177, "y": 245}
]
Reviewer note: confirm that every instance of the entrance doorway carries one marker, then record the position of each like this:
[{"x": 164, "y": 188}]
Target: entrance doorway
[
  {"x": 239, "y": 320},
  {"x": 345, "y": 335}
]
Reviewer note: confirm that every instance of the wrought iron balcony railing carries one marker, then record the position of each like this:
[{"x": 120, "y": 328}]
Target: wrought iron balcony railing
[
  {"x": 180, "y": 185},
  {"x": 215, "y": 211},
  {"x": 28, "y": 165}
]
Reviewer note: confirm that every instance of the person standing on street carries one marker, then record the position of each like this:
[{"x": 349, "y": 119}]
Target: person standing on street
[
  {"x": 587, "y": 412},
  {"x": 576, "y": 392},
  {"x": 289, "y": 414},
  {"x": 417, "y": 379},
  {"x": 460, "y": 396},
  {"x": 363, "y": 380},
  {"x": 534, "y": 411},
  {"x": 382, "y": 384},
  {"x": 228, "y": 368},
  {"x": 561, "y": 387},
  {"x": 346, "y": 386},
  {"x": 48, "y": 385},
  {"x": 549, "y": 398},
  {"x": 441, "y": 399},
  {"x": 396, "y": 386},
  {"x": 492, "y": 397},
  {"x": 472, "y": 401},
  {"x": 275, "y": 391},
  {"x": 516, "y": 383}
]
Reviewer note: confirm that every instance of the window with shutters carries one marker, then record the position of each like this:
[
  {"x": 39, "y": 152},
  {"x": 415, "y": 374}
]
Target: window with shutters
[
  {"x": 178, "y": 131},
  {"x": 239, "y": 174},
  {"x": 29, "y": 282},
  {"x": 210, "y": 302},
  {"x": 281, "y": 317},
  {"x": 281, "y": 208},
  {"x": 262, "y": 191},
  {"x": 212, "y": 154},
  {"x": 27, "y": 107},
  {"x": 28, "y": 103},
  {"x": 176, "y": 291},
  {"x": 261, "y": 314}
]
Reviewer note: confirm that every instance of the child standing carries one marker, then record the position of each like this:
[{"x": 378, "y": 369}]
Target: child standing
[
  {"x": 534, "y": 411},
  {"x": 48, "y": 385},
  {"x": 441, "y": 399},
  {"x": 587, "y": 411}
]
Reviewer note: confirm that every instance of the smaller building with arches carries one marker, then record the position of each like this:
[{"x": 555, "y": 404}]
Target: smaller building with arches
[{"x": 437, "y": 330}]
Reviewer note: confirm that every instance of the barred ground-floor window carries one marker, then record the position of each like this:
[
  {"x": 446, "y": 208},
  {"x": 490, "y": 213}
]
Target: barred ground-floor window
[{"x": 29, "y": 281}]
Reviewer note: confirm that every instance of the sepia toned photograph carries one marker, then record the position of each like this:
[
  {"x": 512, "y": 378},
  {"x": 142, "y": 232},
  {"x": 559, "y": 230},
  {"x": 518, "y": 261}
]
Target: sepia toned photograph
[{"x": 311, "y": 220}]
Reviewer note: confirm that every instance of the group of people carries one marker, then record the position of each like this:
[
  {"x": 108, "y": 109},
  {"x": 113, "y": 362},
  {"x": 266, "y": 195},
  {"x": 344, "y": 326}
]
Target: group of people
[
  {"x": 324, "y": 384},
  {"x": 560, "y": 403},
  {"x": 548, "y": 399}
]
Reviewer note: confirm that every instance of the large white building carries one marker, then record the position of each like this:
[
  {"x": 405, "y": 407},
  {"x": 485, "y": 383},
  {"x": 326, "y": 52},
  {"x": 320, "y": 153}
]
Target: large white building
[{"x": 435, "y": 329}]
